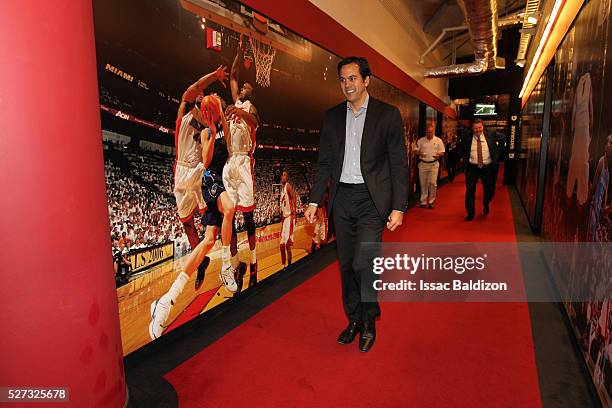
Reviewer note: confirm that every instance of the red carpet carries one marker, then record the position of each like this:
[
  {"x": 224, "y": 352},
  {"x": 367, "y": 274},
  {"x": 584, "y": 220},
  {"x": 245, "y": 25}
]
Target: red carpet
[{"x": 426, "y": 354}]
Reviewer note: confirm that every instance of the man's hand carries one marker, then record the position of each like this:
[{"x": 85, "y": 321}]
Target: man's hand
[
  {"x": 222, "y": 75},
  {"x": 233, "y": 110},
  {"x": 395, "y": 220},
  {"x": 311, "y": 213}
]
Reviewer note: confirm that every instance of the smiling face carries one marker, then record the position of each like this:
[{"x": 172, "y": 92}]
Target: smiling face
[
  {"x": 353, "y": 85},
  {"x": 477, "y": 129}
]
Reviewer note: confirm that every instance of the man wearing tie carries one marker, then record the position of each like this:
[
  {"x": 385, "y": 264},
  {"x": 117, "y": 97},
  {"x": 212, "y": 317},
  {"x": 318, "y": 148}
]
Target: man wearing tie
[
  {"x": 481, "y": 151},
  {"x": 363, "y": 153}
]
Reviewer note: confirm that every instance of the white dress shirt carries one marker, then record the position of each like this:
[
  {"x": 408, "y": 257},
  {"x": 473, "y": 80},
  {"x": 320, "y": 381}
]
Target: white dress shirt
[
  {"x": 486, "y": 155},
  {"x": 428, "y": 148}
]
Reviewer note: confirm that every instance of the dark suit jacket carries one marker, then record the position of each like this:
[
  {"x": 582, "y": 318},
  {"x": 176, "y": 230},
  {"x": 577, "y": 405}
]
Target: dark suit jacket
[
  {"x": 384, "y": 164},
  {"x": 495, "y": 141}
]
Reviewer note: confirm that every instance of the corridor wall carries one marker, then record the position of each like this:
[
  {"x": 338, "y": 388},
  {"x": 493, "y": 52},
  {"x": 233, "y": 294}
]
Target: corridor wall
[{"x": 577, "y": 183}]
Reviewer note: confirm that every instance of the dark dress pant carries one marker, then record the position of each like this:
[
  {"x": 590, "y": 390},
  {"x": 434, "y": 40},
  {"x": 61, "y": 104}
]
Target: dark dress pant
[
  {"x": 473, "y": 173},
  {"x": 356, "y": 220}
]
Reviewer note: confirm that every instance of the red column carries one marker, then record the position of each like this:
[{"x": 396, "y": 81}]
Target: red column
[{"x": 58, "y": 306}]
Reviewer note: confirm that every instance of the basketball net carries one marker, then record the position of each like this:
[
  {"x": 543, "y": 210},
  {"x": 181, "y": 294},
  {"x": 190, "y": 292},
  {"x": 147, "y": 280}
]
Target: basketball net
[{"x": 263, "y": 55}]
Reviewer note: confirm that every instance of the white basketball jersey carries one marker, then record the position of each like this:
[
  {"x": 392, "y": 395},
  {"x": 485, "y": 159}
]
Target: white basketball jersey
[
  {"x": 188, "y": 147},
  {"x": 583, "y": 98},
  {"x": 582, "y": 119},
  {"x": 285, "y": 202},
  {"x": 240, "y": 132}
]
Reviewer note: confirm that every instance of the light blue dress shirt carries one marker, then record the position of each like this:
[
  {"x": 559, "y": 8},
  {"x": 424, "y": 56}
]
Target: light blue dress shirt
[{"x": 351, "y": 167}]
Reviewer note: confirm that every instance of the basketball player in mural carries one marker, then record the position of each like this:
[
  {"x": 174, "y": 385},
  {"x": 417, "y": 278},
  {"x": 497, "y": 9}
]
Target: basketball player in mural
[
  {"x": 219, "y": 214},
  {"x": 582, "y": 127},
  {"x": 238, "y": 173},
  {"x": 188, "y": 166},
  {"x": 287, "y": 207}
]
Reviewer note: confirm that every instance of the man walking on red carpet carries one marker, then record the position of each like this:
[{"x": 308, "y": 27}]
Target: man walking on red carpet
[
  {"x": 362, "y": 151},
  {"x": 481, "y": 151},
  {"x": 430, "y": 149}
]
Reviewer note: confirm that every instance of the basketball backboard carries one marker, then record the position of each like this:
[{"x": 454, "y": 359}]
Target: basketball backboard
[{"x": 246, "y": 22}]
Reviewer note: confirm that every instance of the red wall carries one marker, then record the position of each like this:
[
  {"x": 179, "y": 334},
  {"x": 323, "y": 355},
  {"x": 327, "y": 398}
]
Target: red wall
[{"x": 59, "y": 308}]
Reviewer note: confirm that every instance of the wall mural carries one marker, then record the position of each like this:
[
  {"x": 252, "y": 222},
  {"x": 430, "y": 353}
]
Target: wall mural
[
  {"x": 577, "y": 203},
  {"x": 160, "y": 198}
]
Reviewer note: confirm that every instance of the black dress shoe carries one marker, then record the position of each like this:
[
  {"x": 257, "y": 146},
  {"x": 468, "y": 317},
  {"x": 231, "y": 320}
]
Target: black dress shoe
[
  {"x": 201, "y": 272},
  {"x": 485, "y": 209},
  {"x": 348, "y": 335},
  {"x": 368, "y": 335},
  {"x": 469, "y": 218}
]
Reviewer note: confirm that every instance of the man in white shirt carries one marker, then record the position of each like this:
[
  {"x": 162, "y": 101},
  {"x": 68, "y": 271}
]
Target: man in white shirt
[
  {"x": 430, "y": 149},
  {"x": 481, "y": 152}
]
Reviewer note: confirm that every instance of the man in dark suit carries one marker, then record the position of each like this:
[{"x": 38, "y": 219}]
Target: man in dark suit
[
  {"x": 481, "y": 152},
  {"x": 362, "y": 154}
]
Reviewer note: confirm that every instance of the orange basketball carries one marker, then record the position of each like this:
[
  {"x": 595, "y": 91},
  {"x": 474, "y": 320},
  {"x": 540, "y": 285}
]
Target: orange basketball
[{"x": 211, "y": 109}]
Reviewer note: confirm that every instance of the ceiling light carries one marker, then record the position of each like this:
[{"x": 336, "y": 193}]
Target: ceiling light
[
  {"x": 532, "y": 20},
  {"x": 543, "y": 40}
]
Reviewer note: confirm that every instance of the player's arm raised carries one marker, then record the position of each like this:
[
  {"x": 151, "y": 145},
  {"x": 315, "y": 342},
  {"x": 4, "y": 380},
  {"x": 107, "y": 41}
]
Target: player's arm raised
[
  {"x": 195, "y": 89},
  {"x": 236, "y": 70}
]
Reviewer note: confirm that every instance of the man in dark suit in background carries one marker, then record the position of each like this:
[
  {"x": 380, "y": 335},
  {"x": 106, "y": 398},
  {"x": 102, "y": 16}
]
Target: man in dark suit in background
[
  {"x": 362, "y": 151},
  {"x": 481, "y": 152}
]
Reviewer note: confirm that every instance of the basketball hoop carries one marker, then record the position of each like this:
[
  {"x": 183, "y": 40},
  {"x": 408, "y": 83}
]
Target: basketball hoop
[{"x": 263, "y": 55}]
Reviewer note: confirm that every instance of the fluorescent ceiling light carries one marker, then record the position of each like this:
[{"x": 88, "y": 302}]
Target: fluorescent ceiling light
[{"x": 543, "y": 39}]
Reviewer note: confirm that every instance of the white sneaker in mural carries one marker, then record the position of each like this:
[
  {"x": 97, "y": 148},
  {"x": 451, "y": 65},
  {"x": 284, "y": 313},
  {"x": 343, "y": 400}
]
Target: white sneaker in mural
[
  {"x": 159, "y": 313},
  {"x": 227, "y": 276}
]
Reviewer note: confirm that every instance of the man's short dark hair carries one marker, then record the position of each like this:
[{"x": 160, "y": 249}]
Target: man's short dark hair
[
  {"x": 477, "y": 121},
  {"x": 364, "y": 66}
]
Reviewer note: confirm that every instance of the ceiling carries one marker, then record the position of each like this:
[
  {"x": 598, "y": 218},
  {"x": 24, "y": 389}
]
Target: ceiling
[{"x": 434, "y": 15}]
